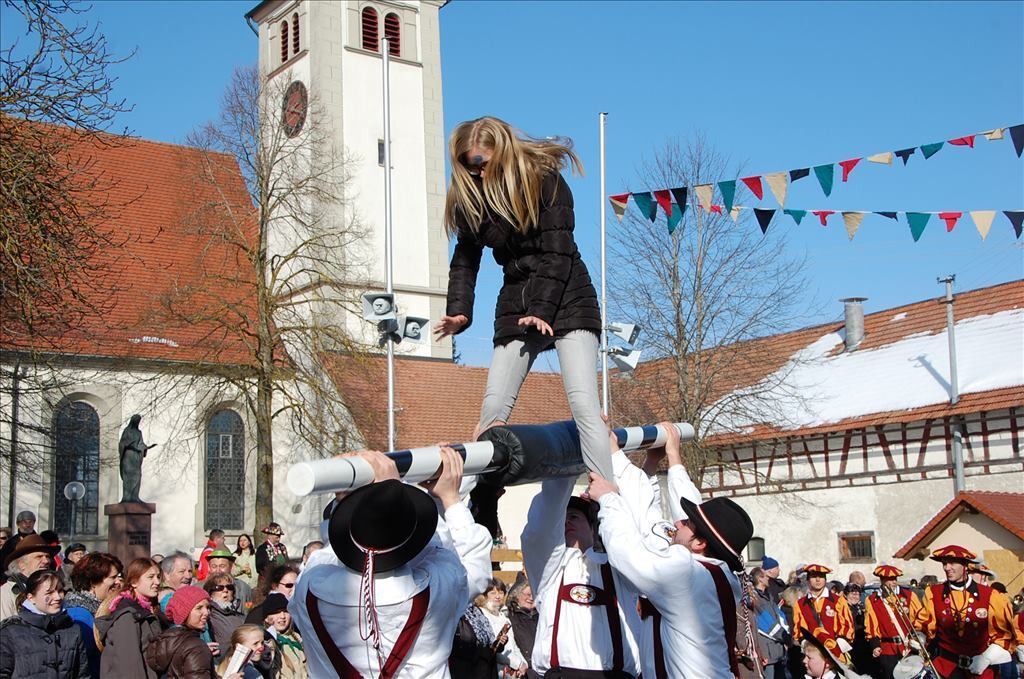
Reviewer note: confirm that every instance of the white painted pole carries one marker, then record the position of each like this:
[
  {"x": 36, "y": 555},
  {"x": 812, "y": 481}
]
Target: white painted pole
[
  {"x": 959, "y": 483},
  {"x": 388, "y": 254},
  {"x": 602, "y": 117}
]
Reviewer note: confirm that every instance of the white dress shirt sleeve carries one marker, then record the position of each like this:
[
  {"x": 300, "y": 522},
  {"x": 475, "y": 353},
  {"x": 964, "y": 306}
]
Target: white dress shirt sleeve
[
  {"x": 679, "y": 486},
  {"x": 472, "y": 543},
  {"x": 635, "y": 489},
  {"x": 543, "y": 538}
]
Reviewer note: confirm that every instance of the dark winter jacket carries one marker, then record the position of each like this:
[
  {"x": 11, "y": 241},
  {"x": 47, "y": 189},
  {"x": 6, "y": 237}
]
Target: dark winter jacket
[
  {"x": 125, "y": 633},
  {"x": 36, "y": 646},
  {"x": 222, "y": 624},
  {"x": 81, "y": 607},
  {"x": 524, "y": 631},
  {"x": 544, "y": 275},
  {"x": 179, "y": 653}
]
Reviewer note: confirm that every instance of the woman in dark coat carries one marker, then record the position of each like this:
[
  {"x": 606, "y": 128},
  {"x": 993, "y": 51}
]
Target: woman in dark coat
[
  {"x": 127, "y": 623},
  {"x": 507, "y": 193},
  {"x": 42, "y": 642}
]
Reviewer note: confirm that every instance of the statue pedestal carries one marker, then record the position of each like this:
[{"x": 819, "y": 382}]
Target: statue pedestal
[{"x": 129, "y": 529}]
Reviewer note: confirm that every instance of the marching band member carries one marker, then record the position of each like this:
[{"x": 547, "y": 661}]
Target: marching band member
[
  {"x": 824, "y": 615},
  {"x": 889, "y": 629},
  {"x": 385, "y": 599},
  {"x": 689, "y": 587},
  {"x": 981, "y": 574},
  {"x": 970, "y": 624}
]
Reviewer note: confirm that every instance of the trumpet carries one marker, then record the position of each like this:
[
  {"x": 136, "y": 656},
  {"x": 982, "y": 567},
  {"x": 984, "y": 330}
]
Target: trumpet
[{"x": 913, "y": 639}]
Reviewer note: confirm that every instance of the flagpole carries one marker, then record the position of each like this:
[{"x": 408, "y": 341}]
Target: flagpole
[
  {"x": 602, "y": 117},
  {"x": 388, "y": 254}
]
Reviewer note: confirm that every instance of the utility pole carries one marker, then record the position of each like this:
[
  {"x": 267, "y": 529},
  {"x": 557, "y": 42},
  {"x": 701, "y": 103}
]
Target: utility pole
[
  {"x": 605, "y": 407},
  {"x": 954, "y": 388},
  {"x": 12, "y": 490}
]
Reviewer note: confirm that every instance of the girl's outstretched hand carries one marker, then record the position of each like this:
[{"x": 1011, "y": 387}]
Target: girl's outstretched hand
[
  {"x": 538, "y": 323},
  {"x": 449, "y": 325}
]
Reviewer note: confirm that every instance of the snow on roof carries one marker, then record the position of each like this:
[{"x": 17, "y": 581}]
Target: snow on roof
[{"x": 909, "y": 373}]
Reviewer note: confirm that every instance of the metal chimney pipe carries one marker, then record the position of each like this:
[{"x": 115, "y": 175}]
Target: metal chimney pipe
[{"x": 853, "y": 311}]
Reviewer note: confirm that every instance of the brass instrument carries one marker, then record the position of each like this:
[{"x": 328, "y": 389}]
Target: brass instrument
[
  {"x": 749, "y": 627},
  {"x": 895, "y": 606}
]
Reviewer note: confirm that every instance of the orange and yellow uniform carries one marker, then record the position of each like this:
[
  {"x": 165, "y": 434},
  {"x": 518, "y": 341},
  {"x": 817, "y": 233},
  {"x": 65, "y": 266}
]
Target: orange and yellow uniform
[
  {"x": 884, "y": 627},
  {"x": 827, "y": 617}
]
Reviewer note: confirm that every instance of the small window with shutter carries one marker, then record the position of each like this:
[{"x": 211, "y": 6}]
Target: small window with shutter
[
  {"x": 284, "y": 41},
  {"x": 393, "y": 32},
  {"x": 370, "y": 32},
  {"x": 295, "y": 34}
]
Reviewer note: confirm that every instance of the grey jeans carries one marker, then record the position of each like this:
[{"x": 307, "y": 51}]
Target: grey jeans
[{"x": 577, "y": 357}]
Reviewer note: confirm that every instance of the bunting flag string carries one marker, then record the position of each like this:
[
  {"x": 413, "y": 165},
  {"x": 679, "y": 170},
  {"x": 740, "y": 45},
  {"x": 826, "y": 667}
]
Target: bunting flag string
[{"x": 825, "y": 173}]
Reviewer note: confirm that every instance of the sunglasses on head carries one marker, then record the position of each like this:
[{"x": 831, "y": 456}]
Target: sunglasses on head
[
  {"x": 221, "y": 588},
  {"x": 289, "y": 585},
  {"x": 476, "y": 167}
]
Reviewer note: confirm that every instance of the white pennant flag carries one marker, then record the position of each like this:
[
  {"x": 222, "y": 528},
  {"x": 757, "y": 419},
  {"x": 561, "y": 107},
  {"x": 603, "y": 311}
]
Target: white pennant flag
[
  {"x": 852, "y": 221},
  {"x": 884, "y": 158},
  {"x": 705, "y": 193},
  {"x": 983, "y": 220},
  {"x": 994, "y": 135},
  {"x": 735, "y": 214},
  {"x": 778, "y": 182}
]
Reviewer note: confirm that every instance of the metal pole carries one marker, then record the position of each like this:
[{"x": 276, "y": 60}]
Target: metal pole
[
  {"x": 385, "y": 46},
  {"x": 959, "y": 484},
  {"x": 15, "y": 406},
  {"x": 602, "y": 117},
  {"x": 72, "y": 531}
]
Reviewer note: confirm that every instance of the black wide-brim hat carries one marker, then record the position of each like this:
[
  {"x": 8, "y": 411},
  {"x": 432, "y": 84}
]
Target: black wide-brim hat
[
  {"x": 392, "y": 518},
  {"x": 724, "y": 525},
  {"x": 838, "y": 666}
]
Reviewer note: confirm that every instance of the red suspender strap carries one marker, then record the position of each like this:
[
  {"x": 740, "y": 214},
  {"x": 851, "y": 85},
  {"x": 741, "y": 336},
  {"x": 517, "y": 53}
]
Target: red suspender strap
[
  {"x": 647, "y": 610},
  {"x": 554, "y": 628},
  {"x": 728, "y": 606},
  {"x": 607, "y": 598},
  {"x": 399, "y": 651}
]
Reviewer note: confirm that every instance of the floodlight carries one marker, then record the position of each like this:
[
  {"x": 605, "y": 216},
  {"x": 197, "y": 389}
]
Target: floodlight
[
  {"x": 413, "y": 329},
  {"x": 627, "y": 332},
  {"x": 625, "y": 359},
  {"x": 378, "y": 306}
]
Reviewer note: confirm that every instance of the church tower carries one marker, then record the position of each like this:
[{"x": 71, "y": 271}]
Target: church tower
[{"x": 332, "y": 50}]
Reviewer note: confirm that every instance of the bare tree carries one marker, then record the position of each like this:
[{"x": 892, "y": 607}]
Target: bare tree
[
  {"x": 277, "y": 263},
  {"x": 704, "y": 295}
]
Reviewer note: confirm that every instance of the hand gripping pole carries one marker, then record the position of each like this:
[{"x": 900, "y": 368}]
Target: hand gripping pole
[{"x": 504, "y": 455}]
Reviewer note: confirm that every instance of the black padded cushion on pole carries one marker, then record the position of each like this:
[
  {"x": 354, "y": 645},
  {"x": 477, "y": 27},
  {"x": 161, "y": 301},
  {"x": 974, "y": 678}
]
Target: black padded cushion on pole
[{"x": 535, "y": 452}]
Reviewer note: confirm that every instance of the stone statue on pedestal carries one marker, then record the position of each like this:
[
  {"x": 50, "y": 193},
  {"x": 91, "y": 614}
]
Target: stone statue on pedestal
[{"x": 132, "y": 450}]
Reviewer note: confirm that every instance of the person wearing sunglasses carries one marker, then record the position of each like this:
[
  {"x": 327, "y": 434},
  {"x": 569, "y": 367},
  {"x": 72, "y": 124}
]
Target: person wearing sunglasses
[
  {"x": 280, "y": 579},
  {"x": 225, "y": 616},
  {"x": 507, "y": 193},
  {"x": 222, "y": 561}
]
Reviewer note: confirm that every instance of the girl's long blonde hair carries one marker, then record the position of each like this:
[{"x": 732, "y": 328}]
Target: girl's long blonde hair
[
  {"x": 511, "y": 186},
  {"x": 238, "y": 638}
]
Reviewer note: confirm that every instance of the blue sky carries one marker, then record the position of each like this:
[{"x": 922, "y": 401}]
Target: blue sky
[{"x": 773, "y": 85}]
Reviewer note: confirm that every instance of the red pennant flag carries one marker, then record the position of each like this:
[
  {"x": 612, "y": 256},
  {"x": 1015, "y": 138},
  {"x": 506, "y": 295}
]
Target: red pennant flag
[
  {"x": 664, "y": 199},
  {"x": 848, "y": 166},
  {"x": 754, "y": 184},
  {"x": 823, "y": 215},
  {"x": 717, "y": 209},
  {"x": 963, "y": 141},
  {"x": 950, "y": 218}
]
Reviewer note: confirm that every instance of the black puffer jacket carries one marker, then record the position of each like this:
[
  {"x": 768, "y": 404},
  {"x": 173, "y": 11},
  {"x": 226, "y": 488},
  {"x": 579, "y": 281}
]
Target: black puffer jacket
[
  {"x": 35, "y": 646},
  {"x": 544, "y": 275}
]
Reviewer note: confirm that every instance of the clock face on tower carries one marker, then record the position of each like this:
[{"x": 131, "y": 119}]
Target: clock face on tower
[{"x": 293, "y": 108}]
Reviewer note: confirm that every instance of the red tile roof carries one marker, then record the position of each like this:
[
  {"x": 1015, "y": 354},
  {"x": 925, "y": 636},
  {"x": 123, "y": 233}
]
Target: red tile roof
[
  {"x": 1005, "y": 509},
  {"x": 156, "y": 207}
]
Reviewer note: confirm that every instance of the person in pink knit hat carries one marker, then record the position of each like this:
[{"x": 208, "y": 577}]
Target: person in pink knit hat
[{"x": 180, "y": 651}]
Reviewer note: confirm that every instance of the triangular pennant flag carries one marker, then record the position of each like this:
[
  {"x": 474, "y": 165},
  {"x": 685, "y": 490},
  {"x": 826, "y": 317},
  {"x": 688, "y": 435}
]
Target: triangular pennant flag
[
  {"x": 905, "y": 154},
  {"x": 664, "y": 199},
  {"x": 705, "y": 194},
  {"x": 647, "y": 206},
  {"x": 950, "y": 219},
  {"x": 798, "y": 174},
  {"x": 754, "y": 184},
  {"x": 674, "y": 217},
  {"x": 823, "y": 215},
  {"x": 1016, "y": 218},
  {"x": 728, "y": 191},
  {"x": 825, "y": 174},
  {"x": 717, "y": 209},
  {"x": 797, "y": 215},
  {"x": 983, "y": 221},
  {"x": 852, "y": 221},
  {"x": 917, "y": 222},
  {"x": 963, "y": 141},
  {"x": 848, "y": 166},
  {"x": 884, "y": 158},
  {"x": 1017, "y": 135},
  {"x": 735, "y": 214},
  {"x": 929, "y": 150},
  {"x": 680, "y": 196},
  {"x": 764, "y": 218},
  {"x": 994, "y": 135},
  {"x": 890, "y": 215},
  {"x": 778, "y": 183},
  {"x": 619, "y": 204}
]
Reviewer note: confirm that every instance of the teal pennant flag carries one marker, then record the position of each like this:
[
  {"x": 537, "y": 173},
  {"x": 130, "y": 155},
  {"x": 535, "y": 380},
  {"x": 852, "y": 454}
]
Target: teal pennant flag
[
  {"x": 797, "y": 215},
  {"x": 825, "y": 174},
  {"x": 728, "y": 190},
  {"x": 675, "y": 217},
  {"x": 930, "y": 150},
  {"x": 917, "y": 221},
  {"x": 646, "y": 203}
]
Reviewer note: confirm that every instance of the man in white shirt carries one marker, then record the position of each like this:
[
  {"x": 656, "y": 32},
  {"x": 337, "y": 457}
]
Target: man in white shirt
[
  {"x": 382, "y": 599},
  {"x": 689, "y": 591},
  {"x": 587, "y": 616}
]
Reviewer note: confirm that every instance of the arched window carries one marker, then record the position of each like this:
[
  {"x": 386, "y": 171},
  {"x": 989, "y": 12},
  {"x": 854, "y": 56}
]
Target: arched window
[
  {"x": 393, "y": 32},
  {"x": 76, "y": 434},
  {"x": 295, "y": 34},
  {"x": 370, "y": 40},
  {"x": 225, "y": 471},
  {"x": 755, "y": 550},
  {"x": 284, "y": 41}
]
